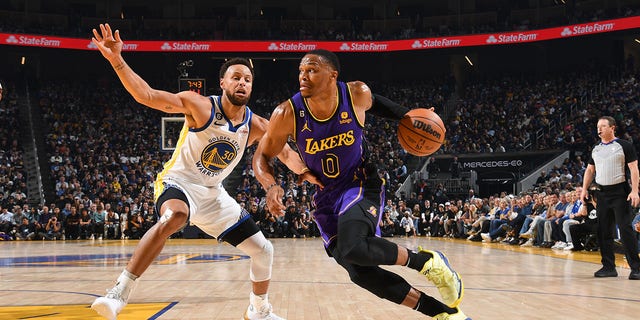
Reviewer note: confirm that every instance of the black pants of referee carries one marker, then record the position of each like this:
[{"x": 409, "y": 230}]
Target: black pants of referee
[{"x": 613, "y": 208}]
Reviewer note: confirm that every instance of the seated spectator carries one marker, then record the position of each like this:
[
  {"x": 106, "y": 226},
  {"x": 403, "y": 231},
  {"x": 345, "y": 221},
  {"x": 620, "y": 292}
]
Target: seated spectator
[
  {"x": 52, "y": 230},
  {"x": 387, "y": 226},
  {"x": 584, "y": 232},
  {"x": 136, "y": 226},
  {"x": 467, "y": 218},
  {"x": 111, "y": 225},
  {"x": 497, "y": 222},
  {"x": 571, "y": 217},
  {"x": 538, "y": 213},
  {"x": 125, "y": 215},
  {"x": 98, "y": 217},
  {"x": 148, "y": 215},
  {"x": 301, "y": 224},
  {"x": 406, "y": 224},
  {"x": 26, "y": 230},
  {"x": 270, "y": 225},
  {"x": 552, "y": 224},
  {"x": 6, "y": 220},
  {"x": 85, "y": 225},
  {"x": 449, "y": 220},
  {"x": 72, "y": 225},
  {"x": 436, "y": 221}
]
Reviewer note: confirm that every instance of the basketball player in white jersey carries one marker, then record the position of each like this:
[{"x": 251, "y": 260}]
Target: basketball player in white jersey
[{"x": 217, "y": 130}]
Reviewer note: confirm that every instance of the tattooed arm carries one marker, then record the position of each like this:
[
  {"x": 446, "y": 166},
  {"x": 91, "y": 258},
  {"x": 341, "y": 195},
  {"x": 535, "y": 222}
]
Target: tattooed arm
[{"x": 195, "y": 107}]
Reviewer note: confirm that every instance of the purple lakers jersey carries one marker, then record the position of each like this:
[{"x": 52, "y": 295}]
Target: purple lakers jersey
[{"x": 332, "y": 150}]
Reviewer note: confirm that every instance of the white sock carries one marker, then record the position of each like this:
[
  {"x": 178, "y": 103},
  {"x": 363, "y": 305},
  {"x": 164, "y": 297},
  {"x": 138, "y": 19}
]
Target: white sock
[
  {"x": 127, "y": 282},
  {"x": 258, "y": 301},
  {"x": 127, "y": 276}
]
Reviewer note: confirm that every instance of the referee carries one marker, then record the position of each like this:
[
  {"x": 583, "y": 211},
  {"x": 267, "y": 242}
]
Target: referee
[{"x": 615, "y": 198}]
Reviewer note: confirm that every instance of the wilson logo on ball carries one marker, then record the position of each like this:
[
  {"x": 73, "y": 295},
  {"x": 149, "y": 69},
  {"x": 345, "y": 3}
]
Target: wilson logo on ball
[
  {"x": 426, "y": 128},
  {"x": 421, "y": 132}
]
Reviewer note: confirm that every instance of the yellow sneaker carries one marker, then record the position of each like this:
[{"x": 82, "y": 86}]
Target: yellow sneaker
[
  {"x": 459, "y": 315},
  {"x": 447, "y": 280}
]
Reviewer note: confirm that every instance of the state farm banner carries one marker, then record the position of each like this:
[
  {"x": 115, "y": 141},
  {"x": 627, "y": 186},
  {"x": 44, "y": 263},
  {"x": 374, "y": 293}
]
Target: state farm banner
[{"x": 516, "y": 37}]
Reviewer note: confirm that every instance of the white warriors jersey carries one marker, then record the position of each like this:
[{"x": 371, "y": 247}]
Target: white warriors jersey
[{"x": 205, "y": 156}]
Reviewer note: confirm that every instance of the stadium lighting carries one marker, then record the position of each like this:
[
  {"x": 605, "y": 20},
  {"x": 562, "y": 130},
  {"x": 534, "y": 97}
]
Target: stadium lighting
[
  {"x": 469, "y": 60},
  {"x": 23, "y": 60}
]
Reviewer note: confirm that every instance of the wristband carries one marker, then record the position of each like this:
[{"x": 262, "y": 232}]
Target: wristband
[
  {"x": 306, "y": 169},
  {"x": 271, "y": 186}
]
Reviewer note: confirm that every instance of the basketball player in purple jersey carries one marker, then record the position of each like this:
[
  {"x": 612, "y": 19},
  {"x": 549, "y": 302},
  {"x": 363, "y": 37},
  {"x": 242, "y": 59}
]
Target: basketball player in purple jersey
[{"x": 326, "y": 120}]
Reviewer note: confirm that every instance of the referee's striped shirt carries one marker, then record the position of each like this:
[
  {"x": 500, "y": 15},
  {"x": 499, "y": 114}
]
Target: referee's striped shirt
[{"x": 611, "y": 159}]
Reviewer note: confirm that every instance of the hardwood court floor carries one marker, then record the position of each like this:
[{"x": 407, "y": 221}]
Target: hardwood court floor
[{"x": 201, "y": 279}]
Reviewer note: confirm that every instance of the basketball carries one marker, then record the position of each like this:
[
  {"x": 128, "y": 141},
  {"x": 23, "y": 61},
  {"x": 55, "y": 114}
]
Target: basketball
[{"x": 421, "y": 132}]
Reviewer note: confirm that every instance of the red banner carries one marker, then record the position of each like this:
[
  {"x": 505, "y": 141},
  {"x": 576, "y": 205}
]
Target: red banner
[{"x": 515, "y": 37}]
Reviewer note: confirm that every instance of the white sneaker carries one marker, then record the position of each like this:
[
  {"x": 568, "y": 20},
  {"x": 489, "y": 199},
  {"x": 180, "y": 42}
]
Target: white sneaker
[
  {"x": 265, "y": 313},
  {"x": 569, "y": 246},
  {"x": 485, "y": 237},
  {"x": 108, "y": 308},
  {"x": 529, "y": 243},
  {"x": 116, "y": 299},
  {"x": 559, "y": 245}
]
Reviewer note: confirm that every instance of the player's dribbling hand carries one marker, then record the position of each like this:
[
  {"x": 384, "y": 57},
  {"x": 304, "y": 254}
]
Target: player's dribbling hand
[
  {"x": 108, "y": 42},
  {"x": 274, "y": 201}
]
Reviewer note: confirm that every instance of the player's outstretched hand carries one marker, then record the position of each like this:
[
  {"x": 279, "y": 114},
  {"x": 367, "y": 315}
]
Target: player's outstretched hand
[
  {"x": 274, "y": 201},
  {"x": 108, "y": 42}
]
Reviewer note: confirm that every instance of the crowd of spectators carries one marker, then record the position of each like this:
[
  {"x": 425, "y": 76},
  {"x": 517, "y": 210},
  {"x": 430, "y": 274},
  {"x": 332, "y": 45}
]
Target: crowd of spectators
[
  {"x": 103, "y": 152},
  {"x": 101, "y": 158},
  {"x": 13, "y": 183},
  {"x": 281, "y": 26},
  {"x": 514, "y": 114}
]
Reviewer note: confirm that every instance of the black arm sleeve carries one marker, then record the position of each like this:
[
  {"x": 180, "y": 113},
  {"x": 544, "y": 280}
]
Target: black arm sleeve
[{"x": 385, "y": 108}]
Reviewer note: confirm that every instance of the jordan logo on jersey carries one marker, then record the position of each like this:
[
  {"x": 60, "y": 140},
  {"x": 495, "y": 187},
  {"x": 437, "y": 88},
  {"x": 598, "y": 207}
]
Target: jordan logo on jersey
[
  {"x": 216, "y": 157},
  {"x": 305, "y": 127}
]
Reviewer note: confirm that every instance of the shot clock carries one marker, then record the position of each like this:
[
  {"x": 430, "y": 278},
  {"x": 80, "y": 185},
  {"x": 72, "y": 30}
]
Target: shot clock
[{"x": 196, "y": 85}]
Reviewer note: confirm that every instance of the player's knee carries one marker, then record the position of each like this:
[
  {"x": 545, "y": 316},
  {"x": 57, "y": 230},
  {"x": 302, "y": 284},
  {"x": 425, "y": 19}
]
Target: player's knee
[
  {"x": 267, "y": 249},
  {"x": 173, "y": 220},
  {"x": 264, "y": 256},
  {"x": 261, "y": 261}
]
